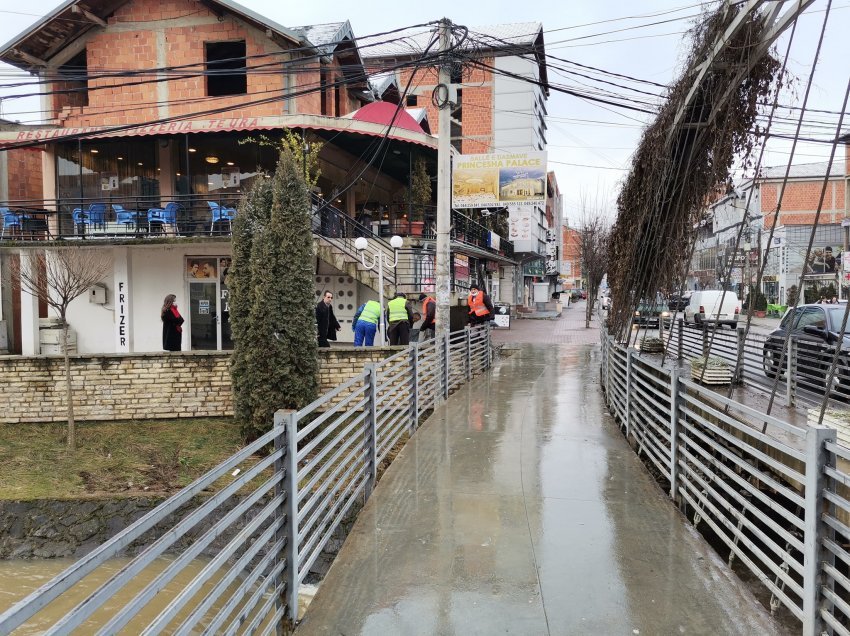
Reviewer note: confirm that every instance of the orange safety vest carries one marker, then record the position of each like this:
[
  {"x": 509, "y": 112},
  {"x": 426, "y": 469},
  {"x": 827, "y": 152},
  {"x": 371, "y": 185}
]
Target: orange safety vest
[
  {"x": 425, "y": 304},
  {"x": 476, "y": 305}
]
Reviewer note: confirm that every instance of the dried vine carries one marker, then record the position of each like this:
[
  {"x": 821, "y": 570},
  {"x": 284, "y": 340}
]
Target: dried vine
[{"x": 674, "y": 173}]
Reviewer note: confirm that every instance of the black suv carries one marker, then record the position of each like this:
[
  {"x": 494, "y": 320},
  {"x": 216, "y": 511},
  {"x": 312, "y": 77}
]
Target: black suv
[{"x": 817, "y": 331}]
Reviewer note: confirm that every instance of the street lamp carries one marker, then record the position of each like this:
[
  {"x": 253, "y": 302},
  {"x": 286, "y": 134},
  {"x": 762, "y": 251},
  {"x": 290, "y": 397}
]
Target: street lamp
[{"x": 378, "y": 258}]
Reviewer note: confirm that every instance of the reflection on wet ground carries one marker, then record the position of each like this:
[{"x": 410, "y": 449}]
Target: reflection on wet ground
[{"x": 519, "y": 508}]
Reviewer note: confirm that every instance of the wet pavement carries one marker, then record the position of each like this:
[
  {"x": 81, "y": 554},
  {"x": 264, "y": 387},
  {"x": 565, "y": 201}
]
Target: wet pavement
[{"x": 519, "y": 508}]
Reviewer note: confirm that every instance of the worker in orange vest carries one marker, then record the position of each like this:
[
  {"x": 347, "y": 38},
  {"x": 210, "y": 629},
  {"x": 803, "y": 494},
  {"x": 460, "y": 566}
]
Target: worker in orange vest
[
  {"x": 429, "y": 311},
  {"x": 480, "y": 306}
]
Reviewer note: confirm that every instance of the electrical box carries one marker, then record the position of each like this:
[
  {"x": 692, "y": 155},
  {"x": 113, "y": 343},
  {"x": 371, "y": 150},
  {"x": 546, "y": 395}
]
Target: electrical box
[{"x": 97, "y": 294}]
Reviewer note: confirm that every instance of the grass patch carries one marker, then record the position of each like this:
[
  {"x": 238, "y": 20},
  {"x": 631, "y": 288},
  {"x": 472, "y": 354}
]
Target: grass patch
[{"x": 113, "y": 458}]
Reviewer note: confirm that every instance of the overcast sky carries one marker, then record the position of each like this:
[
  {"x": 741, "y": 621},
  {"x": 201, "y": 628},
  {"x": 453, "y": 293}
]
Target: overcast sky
[{"x": 589, "y": 144}]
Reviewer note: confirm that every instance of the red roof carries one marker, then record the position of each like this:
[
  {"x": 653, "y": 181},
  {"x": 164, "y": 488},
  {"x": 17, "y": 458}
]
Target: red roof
[{"x": 383, "y": 113}]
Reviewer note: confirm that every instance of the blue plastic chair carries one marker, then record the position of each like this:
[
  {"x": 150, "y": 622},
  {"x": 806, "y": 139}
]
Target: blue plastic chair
[
  {"x": 123, "y": 216},
  {"x": 11, "y": 220},
  {"x": 164, "y": 216},
  {"x": 221, "y": 214},
  {"x": 94, "y": 215}
]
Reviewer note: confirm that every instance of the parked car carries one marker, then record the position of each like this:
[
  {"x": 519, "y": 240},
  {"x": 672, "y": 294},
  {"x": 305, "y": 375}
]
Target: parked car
[
  {"x": 713, "y": 306},
  {"x": 650, "y": 312},
  {"x": 677, "y": 302},
  {"x": 817, "y": 331}
]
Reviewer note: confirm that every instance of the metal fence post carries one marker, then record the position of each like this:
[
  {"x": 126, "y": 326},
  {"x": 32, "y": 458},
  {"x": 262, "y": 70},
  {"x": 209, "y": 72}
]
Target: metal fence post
[
  {"x": 814, "y": 527},
  {"x": 628, "y": 393},
  {"x": 674, "y": 434},
  {"x": 291, "y": 503},
  {"x": 280, "y": 513},
  {"x": 705, "y": 349},
  {"x": 447, "y": 373},
  {"x": 489, "y": 350},
  {"x": 739, "y": 358},
  {"x": 414, "y": 387},
  {"x": 789, "y": 373},
  {"x": 681, "y": 338},
  {"x": 468, "y": 354},
  {"x": 372, "y": 428}
]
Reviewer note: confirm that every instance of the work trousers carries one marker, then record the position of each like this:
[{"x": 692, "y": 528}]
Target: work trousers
[
  {"x": 364, "y": 333},
  {"x": 399, "y": 333}
]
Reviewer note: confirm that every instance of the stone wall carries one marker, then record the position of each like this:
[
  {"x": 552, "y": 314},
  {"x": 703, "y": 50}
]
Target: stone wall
[{"x": 144, "y": 386}]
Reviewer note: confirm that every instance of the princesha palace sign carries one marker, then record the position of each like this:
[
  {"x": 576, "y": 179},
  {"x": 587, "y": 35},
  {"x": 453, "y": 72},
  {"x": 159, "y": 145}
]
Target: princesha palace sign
[{"x": 502, "y": 179}]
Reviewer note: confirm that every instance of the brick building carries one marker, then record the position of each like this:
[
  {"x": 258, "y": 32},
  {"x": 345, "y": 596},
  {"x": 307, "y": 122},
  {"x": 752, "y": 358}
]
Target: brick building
[{"x": 154, "y": 110}]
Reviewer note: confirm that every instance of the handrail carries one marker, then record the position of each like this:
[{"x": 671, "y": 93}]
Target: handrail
[{"x": 325, "y": 459}]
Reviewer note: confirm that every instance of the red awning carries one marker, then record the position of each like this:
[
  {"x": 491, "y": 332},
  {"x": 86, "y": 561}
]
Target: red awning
[
  {"x": 385, "y": 112},
  {"x": 231, "y": 124}
]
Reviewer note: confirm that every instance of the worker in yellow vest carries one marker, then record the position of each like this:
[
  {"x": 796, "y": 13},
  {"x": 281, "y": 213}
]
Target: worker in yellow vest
[
  {"x": 399, "y": 319},
  {"x": 366, "y": 323},
  {"x": 480, "y": 306}
]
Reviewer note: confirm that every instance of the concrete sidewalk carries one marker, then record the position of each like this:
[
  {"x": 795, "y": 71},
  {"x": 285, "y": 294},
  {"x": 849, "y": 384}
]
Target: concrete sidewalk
[{"x": 519, "y": 508}]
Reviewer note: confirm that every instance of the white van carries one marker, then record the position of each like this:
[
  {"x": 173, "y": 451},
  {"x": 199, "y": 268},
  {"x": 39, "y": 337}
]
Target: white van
[{"x": 705, "y": 306}]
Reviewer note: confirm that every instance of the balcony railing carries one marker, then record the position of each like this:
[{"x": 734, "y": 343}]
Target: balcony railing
[{"x": 129, "y": 217}]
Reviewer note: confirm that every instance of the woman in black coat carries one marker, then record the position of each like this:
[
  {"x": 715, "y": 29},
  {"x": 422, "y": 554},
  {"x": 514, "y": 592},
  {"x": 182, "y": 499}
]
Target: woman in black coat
[{"x": 172, "y": 331}]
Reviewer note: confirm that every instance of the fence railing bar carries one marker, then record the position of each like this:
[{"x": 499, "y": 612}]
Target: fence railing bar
[
  {"x": 833, "y": 623},
  {"x": 343, "y": 475},
  {"x": 250, "y": 581},
  {"x": 784, "y": 534},
  {"x": 130, "y": 609},
  {"x": 837, "y": 525},
  {"x": 220, "y": 587},
  {"x": 735, "y": 515},
  {"x": 393, "y": 434},
  {"x": 837, "y": 475},
  {"x": 744, "y": 409},
  {"x": 263, "y": 613},
  {"x": 353, "y": 446},
  {"x": 339, "y": 410},
  {"x": 24, "y": 609},
  {"x": 307, "y": 462},
  {"x": 789, "y": 493},
  {"x": 693, "y": 496},
  {"x": 273, "y": 578},
  {"x": 185, "y": 595},
  {"x": 837, "y": 449},
  {"x": 834, "y": 598},
  {"x": 335, "y": 515},
  {"x": 742, "y": 445},
  {"x": 340, "y": 417},
  {"x": 327, "y": 397},
  {"x": 713, "y": 462}
]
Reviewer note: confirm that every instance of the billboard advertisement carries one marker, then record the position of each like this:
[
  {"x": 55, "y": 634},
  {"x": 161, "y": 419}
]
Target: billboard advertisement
[{"x": 499, "y": 179}]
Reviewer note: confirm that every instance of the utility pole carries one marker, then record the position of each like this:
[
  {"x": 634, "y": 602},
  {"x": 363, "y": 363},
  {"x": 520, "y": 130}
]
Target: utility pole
[{"x": 444, "y": 186}]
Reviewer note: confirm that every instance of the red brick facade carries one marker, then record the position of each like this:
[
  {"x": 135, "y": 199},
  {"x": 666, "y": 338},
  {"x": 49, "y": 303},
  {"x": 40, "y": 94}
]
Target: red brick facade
[
  {"x": 572, "y": 254},
  {"x": 800, "y": 201},
  {"x": 135, "y": 39},
  {"x": 24, "y": 175},
  {"x": 476, "y": 103}
]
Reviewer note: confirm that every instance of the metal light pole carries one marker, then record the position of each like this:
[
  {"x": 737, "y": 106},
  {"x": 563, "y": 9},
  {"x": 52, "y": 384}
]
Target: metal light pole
[
  {"x": 444, "y": 187},
  {"x": 378, "y": 259}
]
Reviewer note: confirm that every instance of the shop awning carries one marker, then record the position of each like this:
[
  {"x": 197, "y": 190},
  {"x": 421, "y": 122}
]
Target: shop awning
[{"x": 219, "y": 125}]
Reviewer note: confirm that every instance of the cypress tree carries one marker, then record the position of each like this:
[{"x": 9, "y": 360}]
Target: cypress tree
[{"x": 275, "y": 351}]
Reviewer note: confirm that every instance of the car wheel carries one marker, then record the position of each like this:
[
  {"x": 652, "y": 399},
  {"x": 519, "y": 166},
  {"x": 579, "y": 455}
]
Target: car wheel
[{"x": 771, "y": 358}]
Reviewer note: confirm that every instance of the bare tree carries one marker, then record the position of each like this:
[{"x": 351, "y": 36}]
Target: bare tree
[
  {"x": 57, "y": 277},
  {"x": 594, "y": 231}
]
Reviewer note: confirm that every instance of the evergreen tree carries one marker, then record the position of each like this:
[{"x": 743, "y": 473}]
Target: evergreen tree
[{"x": 275, "y": 361}]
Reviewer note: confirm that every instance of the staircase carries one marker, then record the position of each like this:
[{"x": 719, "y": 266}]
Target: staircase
[{"x": 334, "y": 233}]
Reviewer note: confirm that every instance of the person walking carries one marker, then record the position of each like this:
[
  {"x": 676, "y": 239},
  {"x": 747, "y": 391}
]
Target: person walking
[
  {"x": 325, "y": 320},
  {"x": 480, "y": 306},
  {"x": 429, "y": 313},
  {"x": 399, "y": 318},
  {"x": 172, "y": 321},
  {"x": 366, "y": 323}
]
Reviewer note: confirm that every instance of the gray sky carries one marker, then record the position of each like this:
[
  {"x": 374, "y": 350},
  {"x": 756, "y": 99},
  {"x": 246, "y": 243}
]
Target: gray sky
[{"x": 589, "y": 144}]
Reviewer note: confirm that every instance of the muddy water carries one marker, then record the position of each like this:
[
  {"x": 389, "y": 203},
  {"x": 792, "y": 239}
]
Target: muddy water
[{"x": 19, "y": 578}]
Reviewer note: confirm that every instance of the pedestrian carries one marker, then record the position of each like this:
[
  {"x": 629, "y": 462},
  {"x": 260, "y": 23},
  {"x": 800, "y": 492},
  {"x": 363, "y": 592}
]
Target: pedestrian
[
  {"x": 366, "y": 323},
  {"x": 172, "y": 321},
  {"x": 834, "y": 300},
  {"x": 429, "y": 311},
  {"x": 326, "y": 322},
  {"x": 480, "y": 306},
  {"x": 399, "y": 318}
]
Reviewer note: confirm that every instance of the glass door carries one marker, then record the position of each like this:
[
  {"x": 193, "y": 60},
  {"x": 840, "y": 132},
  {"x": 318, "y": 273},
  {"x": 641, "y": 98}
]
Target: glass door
[{"x": 203, "y": 315}]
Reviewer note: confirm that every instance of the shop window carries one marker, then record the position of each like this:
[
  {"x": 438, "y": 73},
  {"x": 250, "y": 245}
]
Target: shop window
[{"x": 230, "y": 57}]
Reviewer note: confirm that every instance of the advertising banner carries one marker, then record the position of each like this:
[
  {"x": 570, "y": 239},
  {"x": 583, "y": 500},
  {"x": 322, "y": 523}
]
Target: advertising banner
[
  {"x": 499, "y": 179},
  {"x": 502, "y": 318},
  {"x": 520, "y": 223}
]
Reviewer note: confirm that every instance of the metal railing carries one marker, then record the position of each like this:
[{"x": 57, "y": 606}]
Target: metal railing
[
  {"x": 237, "y": 556},
  {"x": 775, "y": 495}
]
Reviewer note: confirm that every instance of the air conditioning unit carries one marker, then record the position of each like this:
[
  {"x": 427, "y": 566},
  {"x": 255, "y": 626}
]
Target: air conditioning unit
[{"x": 97, "y": 294}]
